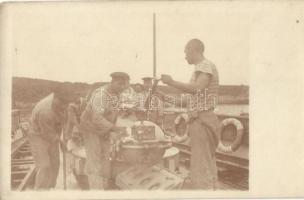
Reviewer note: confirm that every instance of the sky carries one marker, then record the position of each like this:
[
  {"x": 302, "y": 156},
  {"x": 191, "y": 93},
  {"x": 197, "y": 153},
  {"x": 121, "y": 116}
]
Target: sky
[{"x": 87, "y": 43}]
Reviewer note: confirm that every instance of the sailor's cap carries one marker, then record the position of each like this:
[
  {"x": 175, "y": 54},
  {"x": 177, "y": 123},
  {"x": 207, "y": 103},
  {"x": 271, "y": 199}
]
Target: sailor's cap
[
  {"x": 147, "y": 78},
  {"x": 120, "y": 75}
]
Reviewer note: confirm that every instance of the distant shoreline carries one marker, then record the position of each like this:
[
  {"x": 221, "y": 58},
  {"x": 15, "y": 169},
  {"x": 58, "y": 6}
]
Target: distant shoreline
[{"x": 30, "y": 90}]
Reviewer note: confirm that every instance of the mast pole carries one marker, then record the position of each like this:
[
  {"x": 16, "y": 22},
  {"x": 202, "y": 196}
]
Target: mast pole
[{"x": 154, "y": 45}]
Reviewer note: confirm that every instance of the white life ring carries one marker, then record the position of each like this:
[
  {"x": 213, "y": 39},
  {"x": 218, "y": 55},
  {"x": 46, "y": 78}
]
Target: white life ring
[
  {"x": 177, "y": 138},
  {"x": 239, "y": 135}
]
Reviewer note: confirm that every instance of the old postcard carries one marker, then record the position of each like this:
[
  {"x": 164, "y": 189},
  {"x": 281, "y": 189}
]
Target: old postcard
[{"x": 151, "y": 100}]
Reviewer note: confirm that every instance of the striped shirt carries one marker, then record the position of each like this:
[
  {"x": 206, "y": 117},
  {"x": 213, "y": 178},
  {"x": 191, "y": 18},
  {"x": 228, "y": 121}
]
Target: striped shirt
[
  {"x": 101, "y": 112},
  {"x": 128, "y": 96},
  {"x": 207, "y": 99}
]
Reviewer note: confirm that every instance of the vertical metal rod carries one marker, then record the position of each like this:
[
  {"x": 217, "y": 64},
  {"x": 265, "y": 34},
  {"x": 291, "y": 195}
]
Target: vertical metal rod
[{"x": 154, "y": 45}]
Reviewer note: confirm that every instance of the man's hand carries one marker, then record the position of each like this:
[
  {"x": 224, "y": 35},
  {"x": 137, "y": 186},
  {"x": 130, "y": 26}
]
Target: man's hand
[
  {"x": 114, "y": 136},
  {"x": 167, "y": 79},
  {"x": 115, "y": 132},
  {"x": 119, "y": 130}
]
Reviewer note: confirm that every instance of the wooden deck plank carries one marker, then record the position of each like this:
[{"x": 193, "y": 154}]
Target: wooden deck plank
[{"x": 26, "y": 179}]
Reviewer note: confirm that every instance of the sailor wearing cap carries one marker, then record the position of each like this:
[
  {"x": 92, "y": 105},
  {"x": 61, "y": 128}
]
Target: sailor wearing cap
[
  {"x": 97, "y": 125},
  {"x": 147, "y": 83}
]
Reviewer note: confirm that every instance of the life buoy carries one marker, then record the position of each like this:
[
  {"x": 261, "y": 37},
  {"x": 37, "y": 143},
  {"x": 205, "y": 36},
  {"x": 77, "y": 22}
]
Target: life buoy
[
  {"x": 181, "y": 137},
  {"x": 239, "y": 135}
]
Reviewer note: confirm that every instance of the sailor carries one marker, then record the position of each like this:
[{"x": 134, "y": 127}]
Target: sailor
[
  {"x": 97, "y": 124},
  {"x": 204, "y": 125},
  {"x": 147, "y": 84},
  {"x": 47, "y": 121}
]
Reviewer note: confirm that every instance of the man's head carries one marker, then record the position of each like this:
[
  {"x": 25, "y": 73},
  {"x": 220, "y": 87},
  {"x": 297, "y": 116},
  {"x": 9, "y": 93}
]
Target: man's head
[
  {"x": 138, "y": 87},
  {"x": 194, "y": 51},
  {"x": 120, "y": 81},
  {"x": 147, "y": 83},
  {"x": 63, "y": 95}
]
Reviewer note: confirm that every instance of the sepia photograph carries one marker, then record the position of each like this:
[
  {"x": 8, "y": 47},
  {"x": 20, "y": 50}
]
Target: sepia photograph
[
  {"x": 129, "y": 96},
  {"x": 137, "y": 107}
]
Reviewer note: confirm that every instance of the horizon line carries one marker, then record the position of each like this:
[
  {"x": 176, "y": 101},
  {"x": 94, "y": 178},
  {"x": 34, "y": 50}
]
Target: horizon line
[{"x": 241, "y": 84}]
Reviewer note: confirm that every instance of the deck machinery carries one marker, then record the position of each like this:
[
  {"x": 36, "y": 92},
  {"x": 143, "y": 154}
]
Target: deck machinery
[{"x": 143, "y": 159}]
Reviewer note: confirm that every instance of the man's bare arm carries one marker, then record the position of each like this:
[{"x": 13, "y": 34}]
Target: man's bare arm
[{"x": 192, "y": 88}]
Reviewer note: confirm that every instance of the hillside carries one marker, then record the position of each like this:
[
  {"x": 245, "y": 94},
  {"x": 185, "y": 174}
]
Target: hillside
[{"x": 27, "y": 91}]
